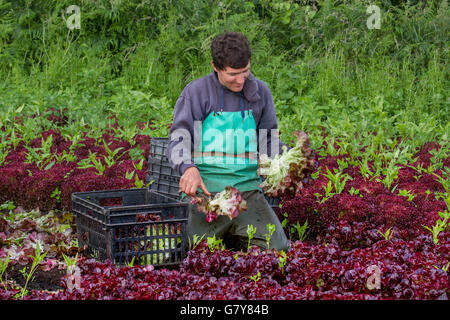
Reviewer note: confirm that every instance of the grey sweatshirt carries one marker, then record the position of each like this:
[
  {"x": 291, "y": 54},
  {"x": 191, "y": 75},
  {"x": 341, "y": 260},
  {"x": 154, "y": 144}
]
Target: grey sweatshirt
[{"x": 202, "y": 96}]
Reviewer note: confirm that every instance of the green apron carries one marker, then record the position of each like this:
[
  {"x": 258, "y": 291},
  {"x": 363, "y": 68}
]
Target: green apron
[
  {"x": 226, "y": 156},
  {"x": 226, "y": 153}
]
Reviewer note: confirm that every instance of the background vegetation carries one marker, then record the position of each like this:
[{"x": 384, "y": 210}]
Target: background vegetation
[{"x": 327, "y": 71}]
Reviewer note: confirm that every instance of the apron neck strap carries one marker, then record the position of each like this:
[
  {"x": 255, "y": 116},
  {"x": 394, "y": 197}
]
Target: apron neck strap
[
  {"x": 221, "y": 98},
  {"x": 241, "y": 102}
]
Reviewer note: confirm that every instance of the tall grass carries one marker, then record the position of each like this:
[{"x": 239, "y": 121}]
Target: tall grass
[{"x": 325, "y": 68}]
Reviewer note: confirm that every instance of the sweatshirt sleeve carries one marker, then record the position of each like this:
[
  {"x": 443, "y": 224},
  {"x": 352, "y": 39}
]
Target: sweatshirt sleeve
[
  {"x": 268, "y": 135},
  {"x": 181, "y": 135}
]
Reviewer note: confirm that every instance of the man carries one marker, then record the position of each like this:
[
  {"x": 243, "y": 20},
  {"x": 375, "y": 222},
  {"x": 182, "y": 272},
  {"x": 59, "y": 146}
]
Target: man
[{"x": 220, "y": 123}]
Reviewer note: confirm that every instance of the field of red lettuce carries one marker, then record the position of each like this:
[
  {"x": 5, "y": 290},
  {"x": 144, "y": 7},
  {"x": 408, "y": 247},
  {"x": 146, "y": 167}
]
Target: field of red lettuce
[{"x": 367, "y": 229}]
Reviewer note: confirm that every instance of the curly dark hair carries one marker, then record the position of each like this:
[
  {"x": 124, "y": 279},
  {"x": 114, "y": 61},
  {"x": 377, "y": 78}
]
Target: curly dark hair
[{"x": 230, "y": 49}]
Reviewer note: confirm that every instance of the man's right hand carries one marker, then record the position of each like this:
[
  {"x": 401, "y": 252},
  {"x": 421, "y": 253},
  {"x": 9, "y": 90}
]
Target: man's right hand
[{"x": 191, "y": 180}]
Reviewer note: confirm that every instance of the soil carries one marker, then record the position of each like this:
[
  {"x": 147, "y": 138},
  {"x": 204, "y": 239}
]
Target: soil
[{"x": 41, "y": 280}]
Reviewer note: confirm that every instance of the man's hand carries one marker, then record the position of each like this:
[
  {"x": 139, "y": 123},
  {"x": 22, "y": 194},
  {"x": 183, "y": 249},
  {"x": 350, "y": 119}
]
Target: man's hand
[{"x": 191, "y": 180}]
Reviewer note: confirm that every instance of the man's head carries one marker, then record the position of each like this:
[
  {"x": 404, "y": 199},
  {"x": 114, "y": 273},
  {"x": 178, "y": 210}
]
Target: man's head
[{"x": 231, "y": 55}]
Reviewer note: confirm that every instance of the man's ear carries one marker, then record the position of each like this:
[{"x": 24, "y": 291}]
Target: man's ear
[{"x": 214, "y": 67}]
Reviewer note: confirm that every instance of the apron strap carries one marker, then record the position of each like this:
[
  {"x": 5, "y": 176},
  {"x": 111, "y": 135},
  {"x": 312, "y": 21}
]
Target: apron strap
[
  {"x": 241, "y": 102},
  {"x": 221, "y": 99}
]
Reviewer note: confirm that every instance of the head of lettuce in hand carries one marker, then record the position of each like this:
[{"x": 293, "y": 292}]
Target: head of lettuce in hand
[
  {"x": 287, "y": 172},
  {"x": 229, "y": 203}
]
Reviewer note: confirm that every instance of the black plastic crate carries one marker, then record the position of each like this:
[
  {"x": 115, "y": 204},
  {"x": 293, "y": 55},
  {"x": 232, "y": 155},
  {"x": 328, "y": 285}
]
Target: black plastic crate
[
  {"x": 158, "y": 148},
  {"x": 164, "y": 186},
  {"x": 131, "y": 225},
  {"x": 165, "y": 179},
  {"x": 158, "y": 163},
  {"x": 160, "y": 174}
]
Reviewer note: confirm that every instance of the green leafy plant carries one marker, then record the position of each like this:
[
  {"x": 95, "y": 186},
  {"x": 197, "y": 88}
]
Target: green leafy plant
[
  {"x": 445, "y": 182},
  {"x": 440, "y": 225},
  {"x": 3, "y": 266},
  {"x": 215, "y": 244},
  {"x": 112, "y": 155},
  {"x": 390, "y": 174},
  {"x": 131, "y": 263},
  {"x": 56, "y": 194},
  {"x": 268, "y": 235},
  {"x": 129, "y": 175},
  {"x": 65, "y": 156},
  {"x": 338, "y": 179},
  {"x": 92, "y": 161},
  {"x": 139, "y": 165},
  {"x": 41, "y": 156},
  {"x": 196, "y": 239},
  {"x": 15, "y": 140},
  {"x": 444, "y": 268},
  {"x": 138, "y": 183},
  {"x": 302, "y": 230},
  {"x": 3, "y": 152},
  {"x": 75, "y": 136},
  {"x": 315, "y": 175},
  {"x": 364, "y": 168},
  {"x": 70, "y": 262},
  {"x": 285, "y": 221},
  {"x": 7, "y": 205},
  {"x": 342, "y": 164},
  {"x": 335, "y": 185},
  {"x": 136, "y": 153},
  {"x": 127, "y": 133},
  {"x": 282, "y": 260},
  {"x": 251, "y": 230},
  {"x": 28, "y": 275},
  {"x": 354, "y": 192},
  {"x": 406, "y": 193},
  {"x": 388, "y": 234},
  {"x": 256, "y": 277}
]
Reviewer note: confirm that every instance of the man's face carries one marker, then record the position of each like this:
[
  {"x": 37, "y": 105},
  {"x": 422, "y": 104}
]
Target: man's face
[{"x": 233, "y": 79}]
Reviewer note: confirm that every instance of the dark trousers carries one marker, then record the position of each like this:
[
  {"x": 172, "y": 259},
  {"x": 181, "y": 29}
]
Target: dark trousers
[{"x": 259, "y": 214}]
